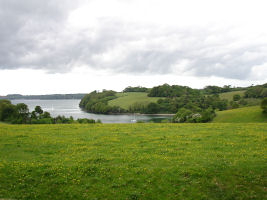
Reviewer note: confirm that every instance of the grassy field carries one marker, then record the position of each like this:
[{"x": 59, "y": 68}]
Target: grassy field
[
  {"x": 133, "y": 161},
  {"x": 229, "y": 95},
  {"x": 241, "y": 115},
  {"x": 124, "y": 100}
]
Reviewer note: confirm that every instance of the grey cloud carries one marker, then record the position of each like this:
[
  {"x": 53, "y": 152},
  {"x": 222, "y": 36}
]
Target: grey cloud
[{"x": 34, "y": 34}]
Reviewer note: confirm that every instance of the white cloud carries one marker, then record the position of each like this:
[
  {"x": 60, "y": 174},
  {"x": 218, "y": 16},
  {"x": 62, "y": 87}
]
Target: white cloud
[{"x": 186, "y": 39}]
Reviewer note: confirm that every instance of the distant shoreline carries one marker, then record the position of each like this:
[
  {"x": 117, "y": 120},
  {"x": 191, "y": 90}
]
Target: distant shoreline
[{"x": 77, "y": 96}]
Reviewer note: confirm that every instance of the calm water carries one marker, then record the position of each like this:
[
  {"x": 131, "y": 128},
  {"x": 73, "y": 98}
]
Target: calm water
[{"x": 71, "y": 108}]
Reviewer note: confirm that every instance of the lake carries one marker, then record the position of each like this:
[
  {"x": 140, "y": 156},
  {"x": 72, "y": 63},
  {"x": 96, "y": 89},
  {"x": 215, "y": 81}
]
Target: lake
[{"x": 71, "y": 107}]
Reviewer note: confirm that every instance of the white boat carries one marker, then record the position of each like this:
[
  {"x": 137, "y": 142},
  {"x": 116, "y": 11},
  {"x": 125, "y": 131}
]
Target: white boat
[{"x": 134, "y": 119}]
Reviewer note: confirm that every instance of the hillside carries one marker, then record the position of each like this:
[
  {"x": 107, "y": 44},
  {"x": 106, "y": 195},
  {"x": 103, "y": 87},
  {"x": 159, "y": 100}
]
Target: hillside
[
  {"x": 241, "y": 115},
  {"x": 125, "y": 100},
  {"x": 229, "y": 95},
  {"x": 133, "y": 161}
]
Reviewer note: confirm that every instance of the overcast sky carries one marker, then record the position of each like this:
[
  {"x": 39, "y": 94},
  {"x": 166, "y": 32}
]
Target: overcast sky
[{"x": 66, "y": 46}]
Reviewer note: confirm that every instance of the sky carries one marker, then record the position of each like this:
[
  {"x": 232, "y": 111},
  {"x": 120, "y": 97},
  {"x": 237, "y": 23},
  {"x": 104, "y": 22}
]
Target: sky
[{"x": 66, "y": 46}]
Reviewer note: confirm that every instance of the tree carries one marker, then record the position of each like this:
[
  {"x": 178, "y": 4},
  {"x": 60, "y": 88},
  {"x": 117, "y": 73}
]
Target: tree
[
  {"x": 182, "y": 115},
  {"x": 152, "y": 108},
  {"x": 23, "y": 112},
  {"x": 264, "y": 92},
  {"x": 8, "y": 111},
  {"x": 236, "y": 97},
  {"x": 38, "y": 110},
  {"x": 264, "y": 105},
  {"x": 46, "y": 115}
]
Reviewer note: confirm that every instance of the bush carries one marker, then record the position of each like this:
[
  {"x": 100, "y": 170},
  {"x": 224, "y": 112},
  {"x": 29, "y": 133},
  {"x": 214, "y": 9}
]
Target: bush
[
  {"x": 8, "y": 111},
  {"x": 152, "y": 108},
  {"x": 182, "y": 115},
  {"x": 85, "y": 121},
  {"x": 236, "y": 97},
  {"x": 264, "y": 105},
  {"x": 234, "y": 104},
  {"x": 186, "y": 115}
]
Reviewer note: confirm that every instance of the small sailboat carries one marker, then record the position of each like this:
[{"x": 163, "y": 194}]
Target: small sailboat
[{"x": 134, "y": 119}]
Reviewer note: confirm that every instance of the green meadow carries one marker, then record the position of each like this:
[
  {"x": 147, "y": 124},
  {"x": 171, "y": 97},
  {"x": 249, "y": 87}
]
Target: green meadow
[
  {"x": 241, "y": 115},
  {"x": 229, "y": 95},
  {"x": 133, "y": 161},
  {"x": 125, "y": 100}
]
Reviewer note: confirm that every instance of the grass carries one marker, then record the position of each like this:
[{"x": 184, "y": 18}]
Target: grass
[
  {"x": 125, "y": 100},
  {"x": 133, "y": 161},
  {"x": 250, "y": 101},
  {"x": 229, "y": 95},
  {"x": 241, "y": 115}
]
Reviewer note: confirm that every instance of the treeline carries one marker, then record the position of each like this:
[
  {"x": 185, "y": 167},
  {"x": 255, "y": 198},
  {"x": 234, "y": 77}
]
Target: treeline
[
  {"x": 166, "y": 90},
  {"x": 20, "y": 114},
  {"x": 258, "y": 91},
  {"x": 44, "y": 97},
  {"x": 136, "y": 89},
  {"x": 212, "y": 89},
  {"x": 172, "y": 91},
  {"x": 97, "y": 102}
]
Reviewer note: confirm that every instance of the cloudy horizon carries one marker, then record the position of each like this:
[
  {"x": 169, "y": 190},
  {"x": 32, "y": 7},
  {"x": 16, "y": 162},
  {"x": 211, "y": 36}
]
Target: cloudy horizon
[{"x": 49, "y": 47}]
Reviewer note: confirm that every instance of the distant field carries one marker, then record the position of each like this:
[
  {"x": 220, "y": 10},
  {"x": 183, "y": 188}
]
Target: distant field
[
  {"x": 229, "y": 95},
  {"x": 243, "y": 115},
  {"x": 129, "y": 98},
  {"x": 133, "y": 161}
]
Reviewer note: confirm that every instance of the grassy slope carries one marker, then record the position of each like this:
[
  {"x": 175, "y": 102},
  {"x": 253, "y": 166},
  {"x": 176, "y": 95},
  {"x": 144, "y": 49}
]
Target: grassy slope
[
  {"x": 250, "y": 101},
  {"x": 129, "y": 98},
  {"x": 133, "y": 161},
  {"x": 229, "y": 95},
  {"x": 243, "y": 115}
]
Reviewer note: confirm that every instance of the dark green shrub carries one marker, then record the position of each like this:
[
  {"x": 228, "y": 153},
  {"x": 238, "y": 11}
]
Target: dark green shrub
[
  {"x": 264, "y": 105},
  {"x": 236, "y": 97}
]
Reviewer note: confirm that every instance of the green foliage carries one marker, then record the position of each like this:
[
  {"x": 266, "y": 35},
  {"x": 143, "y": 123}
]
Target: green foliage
[
  {"x": 172, "y": 91},
  {"x": 19, "y": 114},
  {"x": 264, "y": 105},
  {"x": 214, "y": 90},
  {"x": 183, "y": 115},
  {"x": 234, "y": 104},
  {"x": 194, "y": 115},
  {"x": 133, "y": 161},
  {"x": 86, "y": 121},
  {"x": 8, "y": 111},
  {"x": 97, "y": 102},
  {"x": 236, "y": 97},
  {"x": 152, "y": 108},
  {"x": 23, "y": 115},
  {"x": 258, "y": 91},
  {"x": 38, "y": 110},
  {"x": 46, "y": 115},
  {"x": 135, "y": 89}
]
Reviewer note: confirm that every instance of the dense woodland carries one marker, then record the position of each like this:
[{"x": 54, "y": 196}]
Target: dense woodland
[{"x": 97, "y": 102}]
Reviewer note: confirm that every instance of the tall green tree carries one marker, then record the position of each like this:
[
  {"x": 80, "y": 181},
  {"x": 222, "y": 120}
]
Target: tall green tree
[
  {"x": 264, "y": 105},
  {"x": 23, "y": 112}
]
